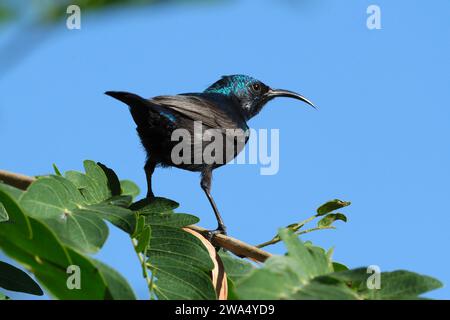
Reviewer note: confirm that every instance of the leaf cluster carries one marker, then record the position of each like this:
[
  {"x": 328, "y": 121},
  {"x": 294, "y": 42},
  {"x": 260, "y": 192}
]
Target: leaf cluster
[{"x": 60, "y": 221}]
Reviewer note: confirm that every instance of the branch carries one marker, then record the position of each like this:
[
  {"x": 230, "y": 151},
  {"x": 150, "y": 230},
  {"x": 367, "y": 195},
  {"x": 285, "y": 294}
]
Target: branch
[
  {"x": 236, "y": 246},
  {"x": 277, "y": 239},
  {"x": 16, "y": 180}
]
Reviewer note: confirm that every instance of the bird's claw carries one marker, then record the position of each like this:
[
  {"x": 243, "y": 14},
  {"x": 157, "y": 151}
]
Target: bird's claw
[{"x": 210, "y": 234}]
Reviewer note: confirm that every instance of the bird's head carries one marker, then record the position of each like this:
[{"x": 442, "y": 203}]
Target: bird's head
[{"x": 249, "y": 93}]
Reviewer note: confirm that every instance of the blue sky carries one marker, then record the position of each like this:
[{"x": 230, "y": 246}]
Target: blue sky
[{"x": 379, "y": 139}]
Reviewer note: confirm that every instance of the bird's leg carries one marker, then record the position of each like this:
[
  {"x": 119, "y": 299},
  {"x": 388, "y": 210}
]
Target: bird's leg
[
  {"x": 149, "y": 168},
  {"x": 206, "y": 186}
]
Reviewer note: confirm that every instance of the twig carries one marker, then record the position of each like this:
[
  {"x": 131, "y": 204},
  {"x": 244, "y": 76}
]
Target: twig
[
  {"x": 16, "y": 180},
  {"x": 295, "y": 227},
  {"x": 315, "y": 229},
  {"x": 142, "y": 261},
  {"x": 236, "y": 246}
]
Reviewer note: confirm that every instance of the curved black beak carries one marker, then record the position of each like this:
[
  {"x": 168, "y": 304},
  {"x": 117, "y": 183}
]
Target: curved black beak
[{"x": 274, "y": 93}]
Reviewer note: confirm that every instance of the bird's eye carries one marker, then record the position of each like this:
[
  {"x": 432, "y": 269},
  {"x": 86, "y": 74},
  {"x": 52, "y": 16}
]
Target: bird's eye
[{"x": 256, "y": 87}]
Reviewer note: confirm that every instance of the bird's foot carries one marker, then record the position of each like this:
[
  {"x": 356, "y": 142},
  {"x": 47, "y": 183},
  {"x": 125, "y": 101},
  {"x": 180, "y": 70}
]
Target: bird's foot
[{"x": 210, "y": 234}]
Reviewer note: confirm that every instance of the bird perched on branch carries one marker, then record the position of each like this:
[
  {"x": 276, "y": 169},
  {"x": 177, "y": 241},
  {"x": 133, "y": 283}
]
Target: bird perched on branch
[{"x": 215, "y": 116}]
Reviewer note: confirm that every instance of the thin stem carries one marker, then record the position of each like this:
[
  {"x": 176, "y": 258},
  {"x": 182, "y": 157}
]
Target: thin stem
[
  {"x": 268, "y": 243},
  {"x": 302, "y": 223},
  {"x": 314, "y": 229},
  {"x": 294, "y": 227},
  {"x": 144, "y": 266},
  {"x": 152, "y": 293},
  {"x": 277, "y": 239}
]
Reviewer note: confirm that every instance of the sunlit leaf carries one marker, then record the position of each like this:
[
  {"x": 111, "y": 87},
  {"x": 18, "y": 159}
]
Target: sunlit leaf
[
  {"x": 398, "y": 284},
  {"x": 287, "y": 277},
  {"x": 57, "y": 202},
  {"x": 42, "y": 253},
  {"x": 156, "y": 205},
  {"x": 129, "y": 188},
  {"x": 180, "y": 264},
  {"x": 3, "y": 214},
  {"x": 10, "y": 190},
  {"x": 172, "y": 219},
  {"x": 57, "y": 172},
  {"x": 331, "y": 206},
  {"x": 330, "y": 218},
  {"x": 235, "y": 267},
  {"x": 143, "y": 239}
]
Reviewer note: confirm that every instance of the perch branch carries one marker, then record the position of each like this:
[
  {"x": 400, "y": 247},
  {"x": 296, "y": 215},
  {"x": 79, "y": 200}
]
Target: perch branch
[
  {"x": 236, "y": 246},
  {"x": 16, "y": 180}
]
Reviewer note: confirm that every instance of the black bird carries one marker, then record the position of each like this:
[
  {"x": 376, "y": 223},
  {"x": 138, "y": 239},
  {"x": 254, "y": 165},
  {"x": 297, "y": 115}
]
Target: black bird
[{"x": 223, "y": 109}]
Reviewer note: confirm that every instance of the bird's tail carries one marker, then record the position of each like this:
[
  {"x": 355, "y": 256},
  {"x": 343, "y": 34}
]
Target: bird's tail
[
  {"x": 138, "y": 106},
  {"x": 125, "y": 97}
]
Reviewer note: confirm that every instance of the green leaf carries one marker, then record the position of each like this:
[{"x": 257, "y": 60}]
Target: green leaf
[
  {"x": 42, "y": 253},
  {"x": 123, "y": 201},
  {"x": 236, "y": 268},
  {"x": 231, "y": 290},
  {"x": 176, "y": 243},
  {"x": 57, "y": 202},
  {"x": 398, "y": 284},
  {"x": 96, "y": 184},
  {"x": 180, "y": 263},
  {"x": 74, "y": 207},
  {"x": 176, "y": 280},
  {"x": 140, "y": 224},
  {"x": 12, "y": 191},
  {"x": 319, "y": 291},
  {"x": 286, "y": 277},
  {"x": 113, "y": 183},
  {"x": 3, "y": 297},
  {"x": 3, "y": 214},
  {"x": 356, "y": 278},
  {"x": 129, "y": 188},
  {"x": 311, "y": 261},
  {"x": 18, "y": 223},
  {"x": 172, "y": 219},
  {"x": 156, "y": 205},
  {"x": 330, "y": 218},
  {"x": 99, "y": 177},
  {"x": 331, "y": 206},
  {"x": 122, "y": 218},
  {"x": 57, "y": 172},
  {"x": 14, "y": 279},
  {"x": 143, "y": 239},
  {"x": 265, "y": 284},
  {"x": 338, "y": 267},
  {"x": 402, "y": 284}
]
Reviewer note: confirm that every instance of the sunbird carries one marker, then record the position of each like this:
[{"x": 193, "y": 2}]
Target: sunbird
[{"x": 222, "y": 110}]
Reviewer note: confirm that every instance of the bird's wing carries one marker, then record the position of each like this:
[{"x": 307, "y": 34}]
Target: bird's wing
[{"x": 198, "y": 108}]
